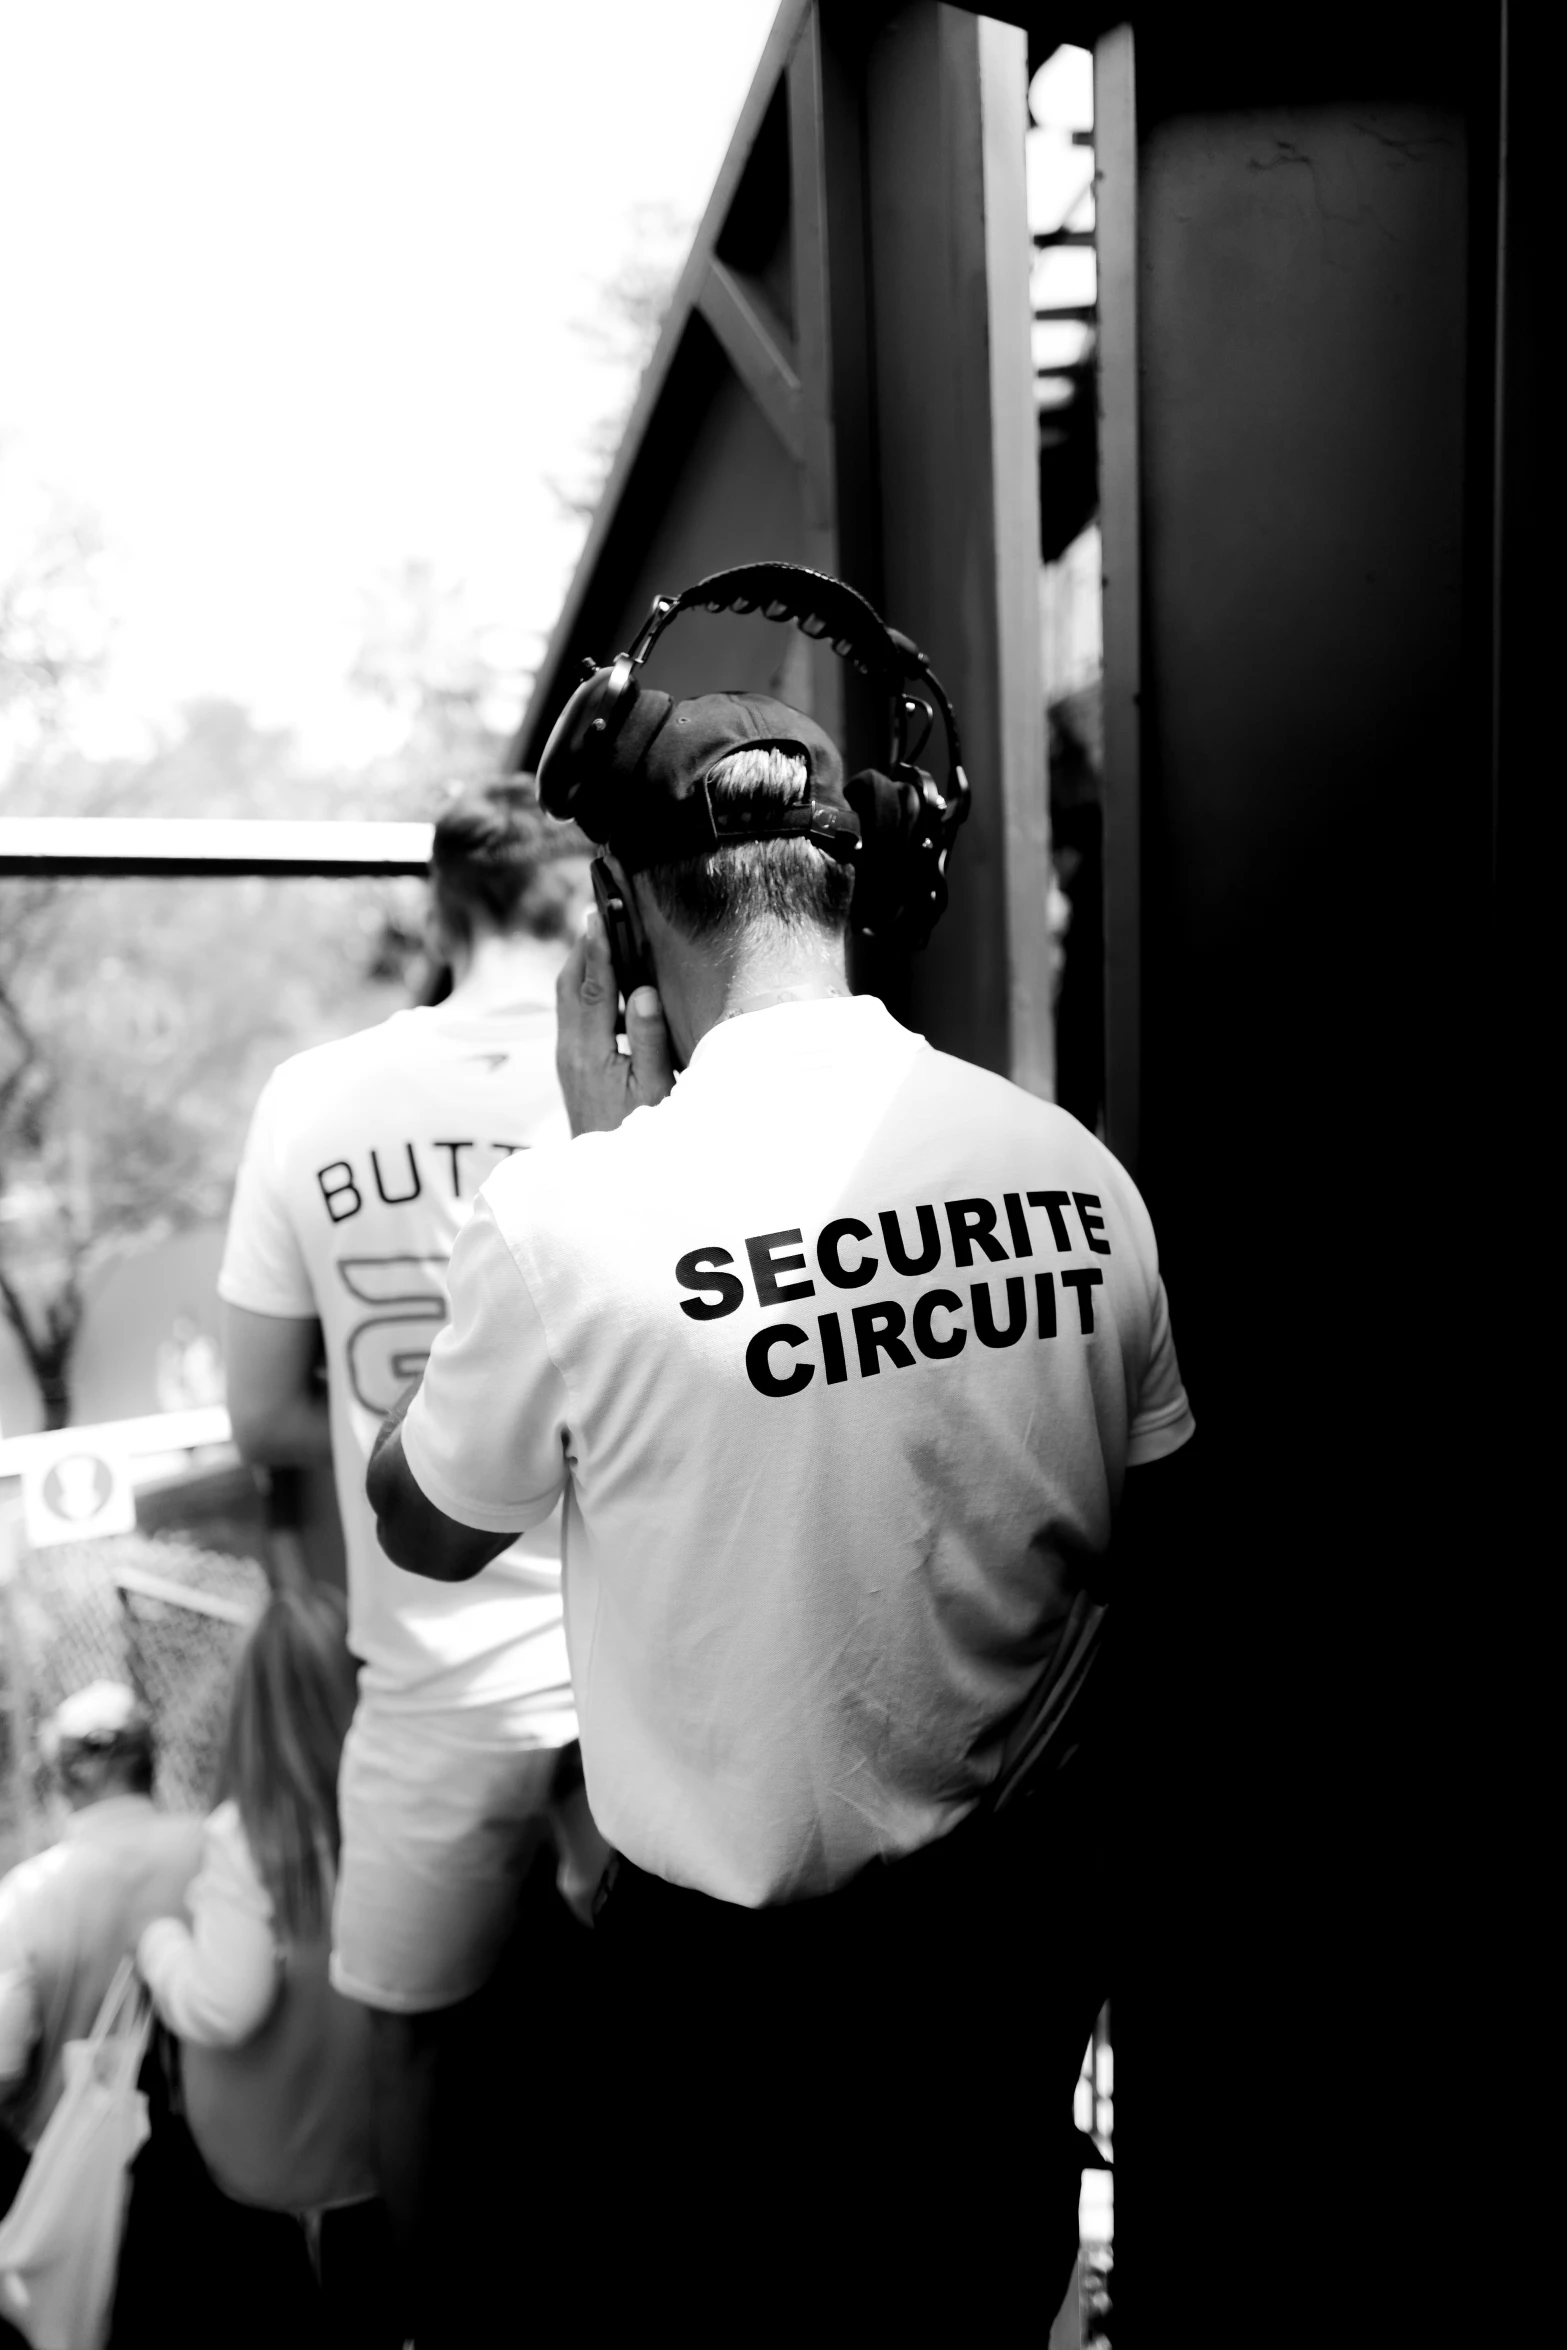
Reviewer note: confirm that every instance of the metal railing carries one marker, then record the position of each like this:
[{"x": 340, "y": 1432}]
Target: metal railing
[{"x": 164, "y": 1616}]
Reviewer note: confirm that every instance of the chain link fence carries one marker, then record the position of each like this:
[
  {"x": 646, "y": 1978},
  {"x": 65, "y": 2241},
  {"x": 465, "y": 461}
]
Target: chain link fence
[{"x": 159, "y": 1612}]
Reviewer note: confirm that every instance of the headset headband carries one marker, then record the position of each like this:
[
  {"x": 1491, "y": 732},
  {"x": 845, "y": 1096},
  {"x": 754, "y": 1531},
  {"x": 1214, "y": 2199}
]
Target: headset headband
[
  {"x": 834, "y": 613},
  {"x": 898, "y": 826}
]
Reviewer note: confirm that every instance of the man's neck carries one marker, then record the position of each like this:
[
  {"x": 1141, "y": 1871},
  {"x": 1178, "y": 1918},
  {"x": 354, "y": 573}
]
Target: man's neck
[
  {"x": 761, "y": 971},
  {"x": 763, "y": 999},
  {"x": 504, "y": 974}
]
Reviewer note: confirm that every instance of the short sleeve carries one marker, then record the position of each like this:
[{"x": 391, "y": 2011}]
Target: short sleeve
[
  {"x": 1161, "y": 1418},
  {"x": 484, "y": 1436},
  {"x": 215, "y": 1981},
  {"x": 19, "y": 2022},
  {"x": 263, "y": 1266}
]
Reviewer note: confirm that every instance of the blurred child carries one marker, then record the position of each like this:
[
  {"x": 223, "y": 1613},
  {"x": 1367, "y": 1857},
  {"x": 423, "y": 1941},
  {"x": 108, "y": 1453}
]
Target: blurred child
[
  {"x": 275, "y": 2063},
  {"x": 362, "y": 1165},
  {"x": 70, "y": 1915}
]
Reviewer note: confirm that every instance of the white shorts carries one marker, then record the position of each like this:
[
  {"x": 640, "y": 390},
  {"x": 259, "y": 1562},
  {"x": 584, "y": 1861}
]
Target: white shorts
[{"x": 441, "y": 1818}]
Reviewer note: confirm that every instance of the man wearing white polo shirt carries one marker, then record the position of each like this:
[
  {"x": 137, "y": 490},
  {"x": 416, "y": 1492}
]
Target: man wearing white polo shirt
[
  {"x": 362, "y": 1163},
  {"x": 839, "y": 1353}
]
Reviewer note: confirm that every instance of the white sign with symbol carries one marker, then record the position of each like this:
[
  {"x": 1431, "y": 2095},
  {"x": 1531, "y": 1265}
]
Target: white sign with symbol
[{"x": 75, "y": 1495}]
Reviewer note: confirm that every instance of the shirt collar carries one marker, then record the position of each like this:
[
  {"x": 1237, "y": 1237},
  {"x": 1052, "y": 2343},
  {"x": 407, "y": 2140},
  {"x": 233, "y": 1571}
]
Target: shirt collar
[
  {"x": 478, "y": 1027},
  {"x": 794, "y": 1032}
]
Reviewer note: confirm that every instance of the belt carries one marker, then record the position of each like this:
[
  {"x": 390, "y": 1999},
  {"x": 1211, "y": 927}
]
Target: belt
[{"x": 991, "y": 1854}]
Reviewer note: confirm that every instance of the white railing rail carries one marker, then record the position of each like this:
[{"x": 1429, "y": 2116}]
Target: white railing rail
[
  {"x": 156, "y": 1432},
  {"x": 172, "y": 846}
]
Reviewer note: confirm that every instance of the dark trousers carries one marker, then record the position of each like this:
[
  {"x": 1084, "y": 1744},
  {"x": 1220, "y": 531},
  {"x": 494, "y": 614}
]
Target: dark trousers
[
  {"x": 860, "y": 2104},
  {"x": 13, "y": 2169},
  {"x": 197, "y": 2268},
  {"x": 515, "y": 2233}
]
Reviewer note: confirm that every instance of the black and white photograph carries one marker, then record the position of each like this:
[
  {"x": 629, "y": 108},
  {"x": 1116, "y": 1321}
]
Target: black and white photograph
[{"x": 765, "y": 1426}]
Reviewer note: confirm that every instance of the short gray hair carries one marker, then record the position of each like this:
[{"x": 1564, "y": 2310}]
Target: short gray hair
[{"x": 789, "y": 882}]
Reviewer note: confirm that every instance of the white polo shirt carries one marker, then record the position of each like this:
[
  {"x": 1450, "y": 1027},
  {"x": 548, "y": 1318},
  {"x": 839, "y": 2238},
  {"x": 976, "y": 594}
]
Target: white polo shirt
[
  {"x": 839, "y": 1357},
  {"x": 362, "y": 1162}
]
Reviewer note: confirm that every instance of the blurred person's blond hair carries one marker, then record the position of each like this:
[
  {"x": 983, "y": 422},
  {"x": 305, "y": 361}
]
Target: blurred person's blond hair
[
  {"x": 100, "y": 1744},
  {"x": 293, "y": 1698}
]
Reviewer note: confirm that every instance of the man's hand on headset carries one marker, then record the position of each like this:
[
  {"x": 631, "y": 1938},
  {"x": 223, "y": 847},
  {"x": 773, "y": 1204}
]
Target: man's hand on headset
[{"x": 603, "y": 1085}]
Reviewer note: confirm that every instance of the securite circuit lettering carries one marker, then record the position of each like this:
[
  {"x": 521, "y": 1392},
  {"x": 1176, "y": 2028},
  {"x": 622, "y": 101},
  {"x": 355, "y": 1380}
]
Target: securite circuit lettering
[{"x": 961, "y": 1234}]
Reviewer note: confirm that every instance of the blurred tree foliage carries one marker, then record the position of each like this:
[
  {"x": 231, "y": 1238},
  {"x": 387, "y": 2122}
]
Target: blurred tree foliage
[
  {"x": 139, "y": 1019},
  {"x": 52, "y": 619},
  {"x": 623, "y": 335}
]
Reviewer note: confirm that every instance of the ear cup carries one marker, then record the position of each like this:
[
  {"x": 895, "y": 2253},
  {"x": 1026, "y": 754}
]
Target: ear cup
[
  {"x": 596, "y": 744},
  {"x": 572, "y": 761},
  {"x": 601, "y": 745},
  {"x": 887, "y": 874}
]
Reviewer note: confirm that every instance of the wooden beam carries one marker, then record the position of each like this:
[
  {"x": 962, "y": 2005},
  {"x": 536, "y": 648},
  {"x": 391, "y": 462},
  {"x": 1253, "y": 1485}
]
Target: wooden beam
[
  {"x": 950, "y": 250},
  {"x": 1120, "y": 523},
  {"x": 1022, "y": 775},
  {"x": 809, "y": 241},
  {"x": 757, "y": 349},
  {"x": 839, "y": 491},
  {"x": 548, "y": 694}
]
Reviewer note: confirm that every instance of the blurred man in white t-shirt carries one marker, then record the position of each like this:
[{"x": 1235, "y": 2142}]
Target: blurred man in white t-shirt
[{"x": 362, "y": 1162}]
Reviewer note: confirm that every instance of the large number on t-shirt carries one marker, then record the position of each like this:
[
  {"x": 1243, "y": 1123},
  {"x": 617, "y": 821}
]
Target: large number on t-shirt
[{"x": 391, "y": 1347}]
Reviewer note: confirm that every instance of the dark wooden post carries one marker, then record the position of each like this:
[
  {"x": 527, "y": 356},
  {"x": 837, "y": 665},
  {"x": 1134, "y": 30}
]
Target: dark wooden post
[
  {"x": 1297, "y": 300},
  {"x": 956, "y": 434}
]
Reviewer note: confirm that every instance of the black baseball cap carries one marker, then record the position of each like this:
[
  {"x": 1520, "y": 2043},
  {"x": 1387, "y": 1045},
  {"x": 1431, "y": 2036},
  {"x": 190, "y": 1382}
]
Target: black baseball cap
[{"x": 665, "y": 752}]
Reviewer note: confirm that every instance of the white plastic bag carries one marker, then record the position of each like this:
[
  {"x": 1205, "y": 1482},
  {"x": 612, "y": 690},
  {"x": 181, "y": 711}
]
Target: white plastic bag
[{"x": 60, "y": 2241}]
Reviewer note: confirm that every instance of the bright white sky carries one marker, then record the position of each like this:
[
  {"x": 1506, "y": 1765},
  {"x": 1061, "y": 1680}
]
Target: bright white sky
[{"x": 289, "y": 299}]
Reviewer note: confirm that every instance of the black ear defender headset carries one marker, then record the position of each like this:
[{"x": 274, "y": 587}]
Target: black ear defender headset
[{"x": 902, "y": 826}]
